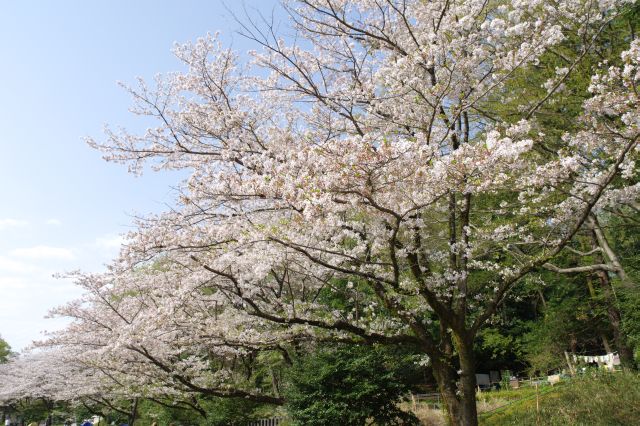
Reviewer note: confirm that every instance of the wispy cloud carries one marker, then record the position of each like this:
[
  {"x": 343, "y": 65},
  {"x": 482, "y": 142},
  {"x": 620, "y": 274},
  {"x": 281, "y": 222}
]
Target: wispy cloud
[
  {"x": 12, "y": 223},
  {"x": 12, "y": 266},
  {"x": 43, "y": 252},
  {"x": 110, "y": 242},
  {"x": 26, "y": 299},
  {"x": 28, "y": 290},
  {"x": 53, "y": 222}
]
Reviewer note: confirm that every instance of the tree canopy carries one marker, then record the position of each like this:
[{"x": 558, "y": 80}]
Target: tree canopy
[{"x": 390, "y": 176}]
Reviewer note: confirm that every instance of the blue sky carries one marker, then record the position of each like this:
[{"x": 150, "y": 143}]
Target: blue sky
[{"x": 61, "y": 206}]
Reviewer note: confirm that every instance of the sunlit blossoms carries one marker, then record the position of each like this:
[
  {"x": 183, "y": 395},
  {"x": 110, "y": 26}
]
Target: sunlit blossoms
[{"x": 364, "y": 165}]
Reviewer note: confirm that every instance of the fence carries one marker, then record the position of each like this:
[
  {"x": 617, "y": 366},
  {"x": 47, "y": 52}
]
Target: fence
[
  {"x": 274, "y": 421},
  {"x": 431, "y": 399}
]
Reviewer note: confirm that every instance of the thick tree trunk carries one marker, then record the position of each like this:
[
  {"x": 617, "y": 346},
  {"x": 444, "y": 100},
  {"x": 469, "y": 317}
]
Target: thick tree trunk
[
  {"x": 458, "y": 391},
  {"x": 464, "y": 346},
  {"x": 445, "y": 376}
]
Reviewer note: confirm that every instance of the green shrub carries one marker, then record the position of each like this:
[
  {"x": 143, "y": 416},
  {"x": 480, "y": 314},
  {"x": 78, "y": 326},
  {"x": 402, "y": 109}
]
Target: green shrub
[
  {"x": 350, "y": 386},
  {"x": 220, "y": 412}
]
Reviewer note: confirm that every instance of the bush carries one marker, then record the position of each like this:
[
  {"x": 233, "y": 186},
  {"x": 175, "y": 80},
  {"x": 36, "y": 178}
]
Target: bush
[
  {"x": 220, "y": 412},
  {"x": 350, "y": 386}
]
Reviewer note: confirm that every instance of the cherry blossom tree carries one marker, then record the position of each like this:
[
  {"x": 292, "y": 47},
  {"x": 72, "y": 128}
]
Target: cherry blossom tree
[
  {"x": 74, "y": 378},
  {"x": 358, "y": 160},
  {"x": 49, "y": 376},
  {"x": 62, "y": 377},
  {"x": 162, "y": 347}
]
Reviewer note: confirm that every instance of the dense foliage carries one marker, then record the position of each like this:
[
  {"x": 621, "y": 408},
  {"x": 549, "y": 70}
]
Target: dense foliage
[
  {"x": 5, "y": 351},
  {"x": 351, "y": 386}
]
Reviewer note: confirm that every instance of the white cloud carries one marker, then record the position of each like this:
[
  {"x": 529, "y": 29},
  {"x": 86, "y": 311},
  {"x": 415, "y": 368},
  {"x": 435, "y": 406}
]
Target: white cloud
[
  {"x": 27, "y": 296},
  {"x": 23, "y": 309},
  {"x": 110, "y": 242},
  {"x": 28, "y": 290},
  {"x": 53, "y": 222},
  {"x": 13, "y": 266},
  {"x": 11, "y": 284},
  {"x": 12, "y": 223},
  {"x": 43, "y": 252}
]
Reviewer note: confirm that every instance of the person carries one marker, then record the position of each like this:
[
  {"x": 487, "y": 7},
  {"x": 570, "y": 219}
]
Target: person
[
  {"x": 7, "y": 421},
  {"x": 99, "y": 421}
]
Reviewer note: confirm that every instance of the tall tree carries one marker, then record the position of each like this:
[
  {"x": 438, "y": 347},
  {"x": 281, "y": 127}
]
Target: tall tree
[{"x": 360, "y": 161}]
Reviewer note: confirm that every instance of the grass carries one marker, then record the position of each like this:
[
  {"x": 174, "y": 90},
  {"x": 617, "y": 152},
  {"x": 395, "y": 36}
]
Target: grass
[
  {"x": 593, "y": 400},
  {"x": 487, "y": 402},
  {"x": 596, "y": 399}
]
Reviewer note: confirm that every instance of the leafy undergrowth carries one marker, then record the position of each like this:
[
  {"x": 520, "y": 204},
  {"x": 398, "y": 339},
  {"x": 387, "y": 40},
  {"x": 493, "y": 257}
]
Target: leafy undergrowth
[{"x": 602, "y": 399}]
